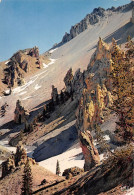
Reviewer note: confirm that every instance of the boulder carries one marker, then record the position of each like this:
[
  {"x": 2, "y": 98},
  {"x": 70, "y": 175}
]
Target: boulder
[{"x": 72, "y": 172}]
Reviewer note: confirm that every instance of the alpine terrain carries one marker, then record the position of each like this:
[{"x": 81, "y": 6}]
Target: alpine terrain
[{"x": 66, "y": 116}]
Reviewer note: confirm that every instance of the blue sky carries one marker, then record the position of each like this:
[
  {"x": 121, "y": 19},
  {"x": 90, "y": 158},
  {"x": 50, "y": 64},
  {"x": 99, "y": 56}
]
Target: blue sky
[{"x": 26, "y": 23}]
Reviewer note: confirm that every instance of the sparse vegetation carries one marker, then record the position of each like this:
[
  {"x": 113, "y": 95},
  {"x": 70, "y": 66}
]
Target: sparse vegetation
[{"x": 122, "y": 81}]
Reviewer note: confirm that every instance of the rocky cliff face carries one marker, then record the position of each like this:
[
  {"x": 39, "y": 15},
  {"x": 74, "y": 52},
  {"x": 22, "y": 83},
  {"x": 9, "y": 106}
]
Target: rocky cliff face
[
  {"x": 95, "y": 100},
  {"x": 68, "y": 80},
  {"x": 19, "y": 64},
  {"x": 92, "y": 89},
  {"x": 91, "y": 19},
  {"x": 74, "y": 83}
]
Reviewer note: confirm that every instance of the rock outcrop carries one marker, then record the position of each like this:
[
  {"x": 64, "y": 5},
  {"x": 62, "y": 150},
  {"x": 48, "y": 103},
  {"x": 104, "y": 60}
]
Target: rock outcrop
[
  {"x": 20, "y": 114},
  {"x": 90, "y": 153},
  {"x": 95, "y": 100},
  {"x": 68, "y": 80},
  {"x": 19, "y": 64},
  {"x": 8, "y": 166},
  {"x": 74, "y": 84},
  {"x": 20, "y": 156},
  {"x": 91, "y": 19},
  {"x": 34, "y": 52},
  {"x": 92, "y": 89},
  {"x": 15, "y": 160}
]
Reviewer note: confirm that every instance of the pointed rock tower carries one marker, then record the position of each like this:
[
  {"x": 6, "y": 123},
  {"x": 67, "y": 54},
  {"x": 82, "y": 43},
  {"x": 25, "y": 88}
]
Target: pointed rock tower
[{"x": 20, "y": 114}]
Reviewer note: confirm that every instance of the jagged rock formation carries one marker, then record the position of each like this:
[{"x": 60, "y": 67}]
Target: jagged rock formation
[
  {"x": 92, "y": 89},
  {"x": 91, "y": 19},
  {"x": 34, "y": 52},
  {"x": 68, "y": 80},
  {"x": 15, "y": 160},
  {"x": 78, "y": 83},
  {"x": 20, "y": 114},
  {"x": 18, "y": 65},
  {"x": 95, "y": 100},
  {"x": 74, "y": 84}
]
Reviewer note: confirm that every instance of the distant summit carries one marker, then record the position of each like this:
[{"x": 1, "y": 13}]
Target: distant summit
[{"x": 93, "y": 18}]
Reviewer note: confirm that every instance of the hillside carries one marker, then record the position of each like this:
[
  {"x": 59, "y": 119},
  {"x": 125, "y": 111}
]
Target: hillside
[
  {"x": 13, "y": 172},
  {"x": 22, "y": 64}
]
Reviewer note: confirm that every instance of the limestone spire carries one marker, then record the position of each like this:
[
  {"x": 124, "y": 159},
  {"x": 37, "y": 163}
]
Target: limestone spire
[{"x": 100, "y": 43}]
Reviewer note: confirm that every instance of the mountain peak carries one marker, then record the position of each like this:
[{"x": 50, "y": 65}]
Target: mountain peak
[{"x": 93, "y": 18}]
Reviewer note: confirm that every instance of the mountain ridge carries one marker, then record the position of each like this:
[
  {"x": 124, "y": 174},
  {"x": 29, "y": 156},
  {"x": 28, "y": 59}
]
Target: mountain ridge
[{"x": 90, "y": 19}]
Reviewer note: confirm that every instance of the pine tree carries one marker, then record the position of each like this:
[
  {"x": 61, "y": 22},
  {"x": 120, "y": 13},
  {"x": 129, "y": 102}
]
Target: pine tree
[
  {"x": 57, "y": 168},
  {"x": 27, "y": 180},
  {"x": 123, "y": 90}
]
